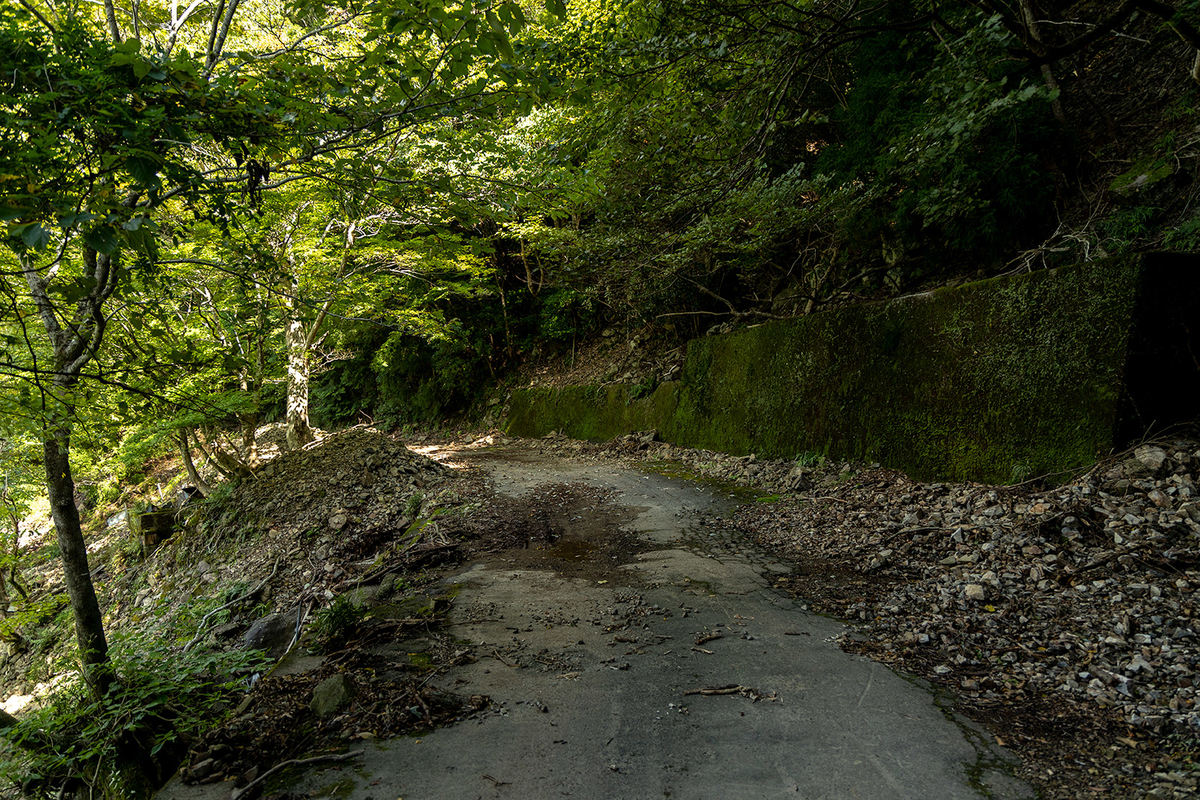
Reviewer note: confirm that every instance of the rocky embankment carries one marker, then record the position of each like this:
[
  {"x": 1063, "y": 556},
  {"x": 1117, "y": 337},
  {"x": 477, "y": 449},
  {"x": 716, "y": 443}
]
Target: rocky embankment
[
  {"x": 1086, "y": 589},
  {"x": 306, "y": 520}
]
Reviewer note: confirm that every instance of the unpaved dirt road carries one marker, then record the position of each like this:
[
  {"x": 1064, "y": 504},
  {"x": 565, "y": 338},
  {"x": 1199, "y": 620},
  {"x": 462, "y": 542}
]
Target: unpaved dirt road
[{"x": 637, "y": 654}]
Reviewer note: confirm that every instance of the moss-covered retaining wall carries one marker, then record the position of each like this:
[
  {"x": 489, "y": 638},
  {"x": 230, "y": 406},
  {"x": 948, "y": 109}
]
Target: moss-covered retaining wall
[{"x": 998, "y": 380}]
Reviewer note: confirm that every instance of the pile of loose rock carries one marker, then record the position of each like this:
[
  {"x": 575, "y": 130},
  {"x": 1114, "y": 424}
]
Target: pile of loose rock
[
  {"x": 317, "y": 517},
  {"x": 358, "y": 475},
  {"x": 1086, "y": 589}
]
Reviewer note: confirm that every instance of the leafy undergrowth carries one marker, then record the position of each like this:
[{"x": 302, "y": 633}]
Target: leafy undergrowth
[{"x": 136, "y": 736}]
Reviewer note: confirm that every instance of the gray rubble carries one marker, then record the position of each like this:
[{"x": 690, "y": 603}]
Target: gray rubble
[{"x": 1085, "y": 589}]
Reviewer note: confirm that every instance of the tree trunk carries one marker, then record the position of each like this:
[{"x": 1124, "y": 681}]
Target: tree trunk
[
  {"x": 74, "y": 346},
  {"x": 232, "y": 468},
  {"x": 249, "y": 424},
  {"x": 89, "y": 623},
  {"x": 185, "y": 452},
  {"x": 299, "y": 432}
]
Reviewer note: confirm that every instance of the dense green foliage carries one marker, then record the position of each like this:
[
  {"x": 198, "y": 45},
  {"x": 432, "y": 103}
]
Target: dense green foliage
[{"x": 135, "y": 737}]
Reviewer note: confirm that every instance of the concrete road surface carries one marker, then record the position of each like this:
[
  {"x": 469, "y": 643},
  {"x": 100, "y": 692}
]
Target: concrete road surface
[{"x": 681, "y": 675}]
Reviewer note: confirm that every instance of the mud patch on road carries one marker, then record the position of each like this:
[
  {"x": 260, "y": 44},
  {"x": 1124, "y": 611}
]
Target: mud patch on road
[{"x": 570, "y": 528}]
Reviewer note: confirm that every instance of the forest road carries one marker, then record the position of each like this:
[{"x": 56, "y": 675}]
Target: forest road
[{"x": 677, "y": 673}]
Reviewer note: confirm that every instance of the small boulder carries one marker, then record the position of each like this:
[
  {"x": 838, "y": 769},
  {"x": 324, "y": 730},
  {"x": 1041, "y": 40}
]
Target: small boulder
[
  {"x": 331, "y": 694},
  {"x": 799, "y": 478},
  {"x": 1147, "y": 460},
  {"x": 272, "y": 633}
]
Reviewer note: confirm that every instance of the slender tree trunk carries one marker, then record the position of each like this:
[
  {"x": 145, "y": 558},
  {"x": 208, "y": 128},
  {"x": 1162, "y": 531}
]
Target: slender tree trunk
[
  {"x": 13, "y": 577},
  {"x": 185, "y": 452},
  {"x": 1035, "y": 33},
  {"x": 229, "y": 466},
  {"x": 299, "y": 431},
  {"x": 74, "y": 346},
  {"x": 89, "y": 622},
  {"x": 250, "y": 456}
]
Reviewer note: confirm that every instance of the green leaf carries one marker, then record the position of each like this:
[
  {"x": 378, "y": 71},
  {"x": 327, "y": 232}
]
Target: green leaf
[
  {"x": 102, "y": 240},
  {"x": 35, "y": 236},
  {"x": 143, "y": 241},
  {"x": 70, "y": 292},
  {"x": 8, "y": 212},
  {"x": 144, "y": 170},
  {"x": 518, "y": 17},
  {"x": 506, "y": 50},
  {"x": 69, "y": 220},
  {"x": 494, "y": 22}
]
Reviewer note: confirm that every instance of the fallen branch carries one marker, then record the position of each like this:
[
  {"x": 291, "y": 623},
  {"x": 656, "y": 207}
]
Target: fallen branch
[
  {"x": 301, "y": 615},
  {"x": 298, "y": 762},
  {"x": 1100, "y": 562},
  {"x": 754, "y": 695},
  {"x": 731, "y": 689},
  {"x": 418, "y": 554}
]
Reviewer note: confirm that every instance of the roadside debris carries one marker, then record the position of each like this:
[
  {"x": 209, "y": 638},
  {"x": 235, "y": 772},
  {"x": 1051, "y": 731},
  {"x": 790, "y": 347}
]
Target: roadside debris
[{"x": 735, "y": 688}]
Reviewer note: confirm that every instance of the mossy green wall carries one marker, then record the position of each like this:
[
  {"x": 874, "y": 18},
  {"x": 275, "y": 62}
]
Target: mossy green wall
[{"x": 998, "y": 380}]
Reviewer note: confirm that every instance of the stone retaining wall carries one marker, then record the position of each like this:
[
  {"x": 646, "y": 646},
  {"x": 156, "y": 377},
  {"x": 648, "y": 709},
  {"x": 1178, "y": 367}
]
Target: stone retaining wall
[{"x": 999, "y": 380}]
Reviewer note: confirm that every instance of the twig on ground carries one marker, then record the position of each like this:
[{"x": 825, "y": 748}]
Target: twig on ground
[
  {"x": 301, "y": 615},
  {"x": 298, "y": 762},
  {"x": 749, "y": 692},
  {"x": 731, "y": 689}
]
